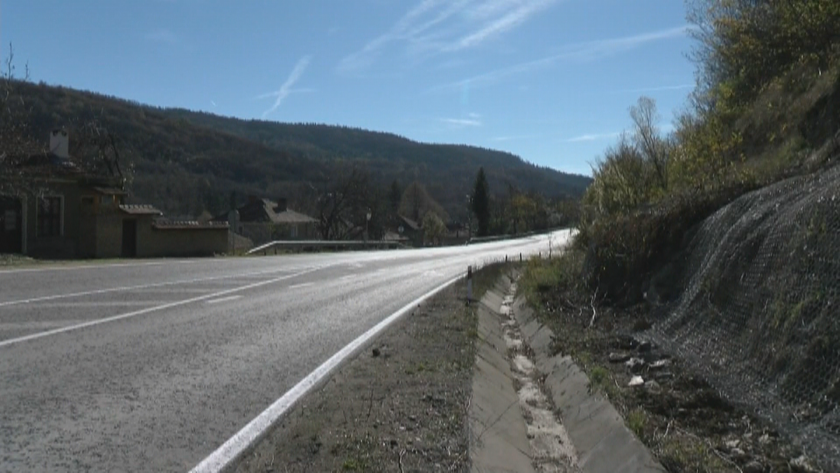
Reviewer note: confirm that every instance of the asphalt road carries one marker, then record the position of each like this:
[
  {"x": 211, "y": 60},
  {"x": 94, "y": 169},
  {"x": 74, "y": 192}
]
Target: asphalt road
[{"x": 151, "y": 366}]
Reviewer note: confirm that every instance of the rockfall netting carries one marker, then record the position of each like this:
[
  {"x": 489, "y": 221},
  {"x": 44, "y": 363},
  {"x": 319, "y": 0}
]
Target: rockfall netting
[{"x": 760, "y": 316}]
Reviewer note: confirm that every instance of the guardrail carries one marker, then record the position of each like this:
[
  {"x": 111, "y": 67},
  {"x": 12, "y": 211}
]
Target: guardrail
[
  {"x": 324, "y": 245},
  {"x": 514, "y": 236}
]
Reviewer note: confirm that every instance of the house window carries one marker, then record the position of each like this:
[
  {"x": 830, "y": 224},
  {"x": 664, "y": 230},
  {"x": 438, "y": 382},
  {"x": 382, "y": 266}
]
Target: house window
[{"x": 50, "y": 216}]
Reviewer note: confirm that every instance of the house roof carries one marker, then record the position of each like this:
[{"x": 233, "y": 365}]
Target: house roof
[
  {"x": 164, "y": 224},
  {"x": 290, "y": 216},
  {"x": 48, "y": 167},
  {"x": 265, "y": 210},
  {"x": 140, "y": 210},
  {"x": 110, "y": 190},
  {"x": 409, "y": 222}
]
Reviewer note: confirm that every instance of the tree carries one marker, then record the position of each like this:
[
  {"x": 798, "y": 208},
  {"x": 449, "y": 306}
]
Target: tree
[
  {"x": 416, "y": 203},
  {"x": 394, "y": 197},
  {"x": 433, "y": 228},
  {"x": 93, "y": 148},
  {"x": 481, "y": 203},
  {"x": 652, "y": 147},
  {"x": 16, "y": 143},
  {"x": 344, "y": 203},
  {"x": 523, "y": 212}
]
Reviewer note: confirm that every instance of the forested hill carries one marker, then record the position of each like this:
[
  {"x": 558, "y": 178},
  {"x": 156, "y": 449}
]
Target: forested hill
[{"x": 187, "y": 162}]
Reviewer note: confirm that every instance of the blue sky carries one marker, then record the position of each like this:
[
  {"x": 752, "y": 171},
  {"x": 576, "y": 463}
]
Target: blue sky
[{"x": 549, "y": 80}]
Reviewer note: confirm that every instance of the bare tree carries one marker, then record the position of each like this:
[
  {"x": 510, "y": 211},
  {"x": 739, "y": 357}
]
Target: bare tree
[
  {"x": 16, "y": 143},
  {"x": 653, "y": 148},
  {"x": 97, "y": 151},
  {"x": 94, "y": 148},
  {"x": 344, "y": 203},
  {"x": 416, "y": 203}
]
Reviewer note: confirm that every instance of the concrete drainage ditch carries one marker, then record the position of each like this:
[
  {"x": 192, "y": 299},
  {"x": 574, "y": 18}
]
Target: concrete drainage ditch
[
  {"x": 531, "y": 409},
  {"x": 551, "y": 449}
]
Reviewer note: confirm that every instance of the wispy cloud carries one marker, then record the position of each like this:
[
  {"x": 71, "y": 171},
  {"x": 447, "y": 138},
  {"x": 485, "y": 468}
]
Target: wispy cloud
[
  {"x": 302, "y": 90},
  {"x": 462, "y": 122},
  {"x": 513, "y": 138},
  {"x": 593, "y": 137},
  {"x": 286, "y": 88},
  {"x": 663, "y": 88},
  {"x": 213, "y": 103},
  {"x": 503, "y": 20},
  {"x": 163, "y": 36},
  {"x": 435, "y": 27},
  {"x": 578, "y": 52}
]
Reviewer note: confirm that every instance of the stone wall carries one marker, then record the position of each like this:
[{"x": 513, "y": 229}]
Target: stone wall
[{"x": 180, "y": 242}]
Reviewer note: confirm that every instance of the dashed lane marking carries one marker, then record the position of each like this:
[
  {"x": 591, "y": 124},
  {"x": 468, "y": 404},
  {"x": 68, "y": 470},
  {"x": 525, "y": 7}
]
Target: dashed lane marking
[
  {"x": 92, "y": 323},
  {"x": 131, "y": 288}
]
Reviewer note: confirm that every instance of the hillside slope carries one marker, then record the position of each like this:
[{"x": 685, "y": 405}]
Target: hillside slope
[
  {"x": 448, "y": 171},
  {"x": 187, "y": 162}
]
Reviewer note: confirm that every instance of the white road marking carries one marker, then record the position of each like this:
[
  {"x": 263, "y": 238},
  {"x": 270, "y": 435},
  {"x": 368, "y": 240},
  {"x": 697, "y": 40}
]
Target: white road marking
[
  {"x": 46, "y": 305},
  {"x": 92, "y": 323},
  {"x": 236, "y": 445},
  {"x": 176, "y": 290},
  {"x": 297, "y": 286},
  {"x": 131, "y": 288},
  {"x": 92, "y": 266},
  {"x": 223, "y": 299}
]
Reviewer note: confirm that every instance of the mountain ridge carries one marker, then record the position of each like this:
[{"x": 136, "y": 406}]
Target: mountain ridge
[{"x": 187, "y": 162}]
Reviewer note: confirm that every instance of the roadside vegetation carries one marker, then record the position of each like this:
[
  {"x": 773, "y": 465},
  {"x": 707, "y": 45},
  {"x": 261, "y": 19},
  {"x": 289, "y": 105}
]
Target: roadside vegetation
[{"x": 764, "y": 109}]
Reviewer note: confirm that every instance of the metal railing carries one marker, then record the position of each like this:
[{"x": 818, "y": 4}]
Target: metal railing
[{"x": 302, "y": 245}]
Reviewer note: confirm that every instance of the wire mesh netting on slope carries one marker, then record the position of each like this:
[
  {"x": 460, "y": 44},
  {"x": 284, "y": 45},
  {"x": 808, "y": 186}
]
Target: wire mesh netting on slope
[{"x": 760, "y": 317}]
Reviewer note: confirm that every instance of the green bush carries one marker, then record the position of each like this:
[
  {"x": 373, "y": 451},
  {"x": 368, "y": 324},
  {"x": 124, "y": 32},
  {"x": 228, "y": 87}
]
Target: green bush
[{"x": 544, "y": 275}]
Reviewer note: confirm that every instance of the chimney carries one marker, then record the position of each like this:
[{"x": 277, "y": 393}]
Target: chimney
[
  {"x": 281, "y": 205},
  {"x": 60, "y": 143}
]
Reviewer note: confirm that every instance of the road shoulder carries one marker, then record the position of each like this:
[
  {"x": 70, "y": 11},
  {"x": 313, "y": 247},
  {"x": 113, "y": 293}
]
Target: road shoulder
[{"x": 400, "y": 405}]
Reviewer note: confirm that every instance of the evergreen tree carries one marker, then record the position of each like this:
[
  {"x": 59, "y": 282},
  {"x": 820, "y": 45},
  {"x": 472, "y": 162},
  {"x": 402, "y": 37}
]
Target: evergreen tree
[
  {"x": 481, "y": 203},
  {"x": 395, "y": 196}
]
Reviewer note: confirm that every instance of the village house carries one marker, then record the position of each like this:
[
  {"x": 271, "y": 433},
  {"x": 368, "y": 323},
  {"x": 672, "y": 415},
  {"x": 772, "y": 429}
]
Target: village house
[
  {"x": 62, "y": 211},
  {"x": 410, "y": 230},
  {"x": 263, "y": 220}
]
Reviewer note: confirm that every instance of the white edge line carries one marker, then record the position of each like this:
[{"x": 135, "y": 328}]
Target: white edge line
[
  {"x": 114, "y": 318},
  {"x": 298, "y": 286},
  {"x": 236, "y": 445},
  {"x": 223, "y": 299}
]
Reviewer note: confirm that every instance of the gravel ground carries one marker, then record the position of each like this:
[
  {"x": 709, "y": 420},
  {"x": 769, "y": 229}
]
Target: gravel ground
[
  {"x": 399, "y": 406},
  {"x": 678, "y": 415}
]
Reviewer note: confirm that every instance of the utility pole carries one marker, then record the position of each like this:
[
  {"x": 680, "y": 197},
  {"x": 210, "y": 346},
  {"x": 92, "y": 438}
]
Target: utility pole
[
  {"x": 367, "y": 224},
  {"x": 469, "y": 217}
]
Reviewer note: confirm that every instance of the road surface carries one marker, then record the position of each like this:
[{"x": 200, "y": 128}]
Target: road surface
[{"x": 151, "y": 366}]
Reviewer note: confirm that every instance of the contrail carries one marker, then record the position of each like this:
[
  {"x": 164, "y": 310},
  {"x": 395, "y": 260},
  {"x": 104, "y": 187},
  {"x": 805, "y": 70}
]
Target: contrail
[{"x": 285, "y": 89}]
